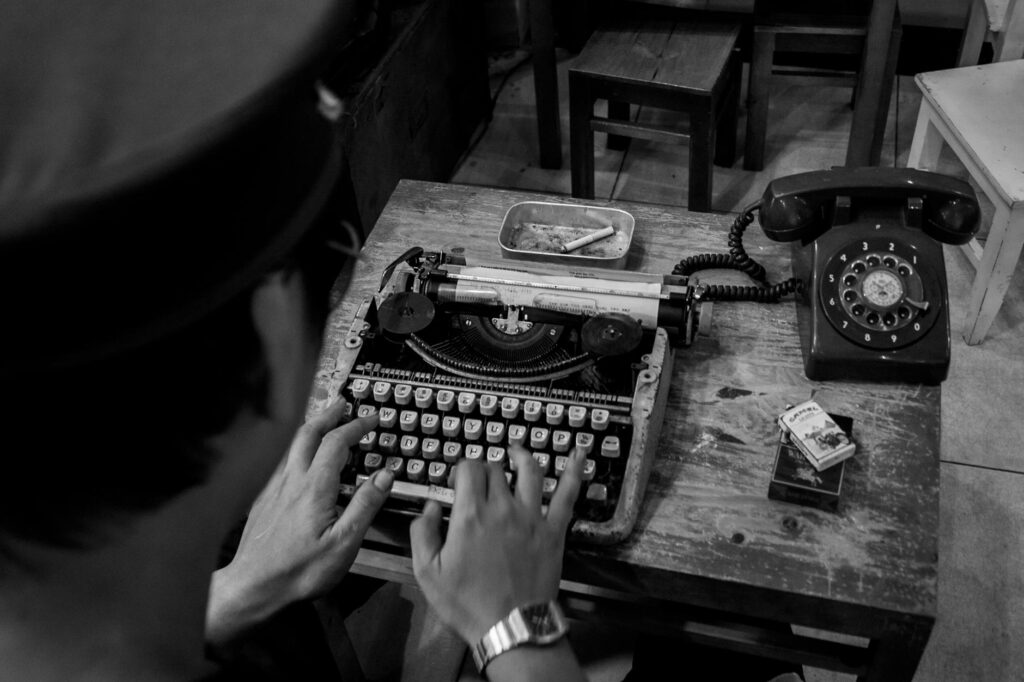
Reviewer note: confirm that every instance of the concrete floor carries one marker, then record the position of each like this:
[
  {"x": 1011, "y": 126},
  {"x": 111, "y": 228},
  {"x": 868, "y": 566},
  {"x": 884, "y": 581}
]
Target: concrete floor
[{"x": 980, "y": 626}]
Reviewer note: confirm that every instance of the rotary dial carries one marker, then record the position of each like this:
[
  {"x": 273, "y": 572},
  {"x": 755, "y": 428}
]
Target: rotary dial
[
  {"x": 873, "y": 293},
  {"x": 882, "y": 289}
]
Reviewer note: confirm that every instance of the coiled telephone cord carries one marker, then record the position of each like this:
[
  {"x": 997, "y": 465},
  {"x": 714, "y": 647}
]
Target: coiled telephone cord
[{"x": 737, "y": 259}]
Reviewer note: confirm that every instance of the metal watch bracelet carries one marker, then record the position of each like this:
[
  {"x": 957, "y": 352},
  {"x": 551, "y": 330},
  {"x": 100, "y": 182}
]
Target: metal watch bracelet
[{"x": 520, "y": 627}]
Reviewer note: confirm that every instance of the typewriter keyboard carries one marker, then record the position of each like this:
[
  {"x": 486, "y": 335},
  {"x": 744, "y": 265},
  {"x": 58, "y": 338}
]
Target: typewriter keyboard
[{"x": 426, "y": 430}]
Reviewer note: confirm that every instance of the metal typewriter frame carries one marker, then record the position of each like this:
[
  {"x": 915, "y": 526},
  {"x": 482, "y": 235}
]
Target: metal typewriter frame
[{"x": 647, "y": 413}]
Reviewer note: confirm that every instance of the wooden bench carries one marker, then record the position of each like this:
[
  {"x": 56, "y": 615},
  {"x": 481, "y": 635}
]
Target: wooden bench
[{"x": 692, "y": 68}]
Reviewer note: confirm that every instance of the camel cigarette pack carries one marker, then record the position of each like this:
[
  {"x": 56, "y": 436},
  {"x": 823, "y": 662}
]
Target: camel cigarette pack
[
  {"x": 794, "y": 480},
  {"x": 816, "y": 434}
]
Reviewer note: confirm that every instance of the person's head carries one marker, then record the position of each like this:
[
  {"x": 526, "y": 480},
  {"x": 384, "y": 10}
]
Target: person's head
[{"x": 167, "y": 193}]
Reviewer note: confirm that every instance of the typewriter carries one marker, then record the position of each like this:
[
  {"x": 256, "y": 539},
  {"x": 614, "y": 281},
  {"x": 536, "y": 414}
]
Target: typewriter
[{"x": 460, "y": 360}]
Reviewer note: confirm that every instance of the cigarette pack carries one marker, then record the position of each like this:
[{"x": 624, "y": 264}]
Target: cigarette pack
[
  {"x": 794, "y": 480},
  {"x": 815, "y": 433}
]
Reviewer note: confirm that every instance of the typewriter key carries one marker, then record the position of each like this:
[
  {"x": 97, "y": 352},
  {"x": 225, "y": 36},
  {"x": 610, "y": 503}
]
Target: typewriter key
[
  {"x": 416, "y": 470},
  {"x": 466, "y": 402},
  {"x": 495, "y": 432},
  {"x": 381, "y": 391},
  {"x": 424, "y": 397},
  {"x": 431, "y": 448},
  {"x": 610, "y": 446},
  {"x": 409, "y": 420},
  {"x": 577, "y": 416},
  {"x": 368, "y": 442},
  {"x": 543, "y": 460},
  {"x": 496, "y": 455},
  {"x": 585, "y": 442},
  {"x": 429, "y": 423},
  {"x": 388, "y": 417},
  {"x": 437, "y": 473},
  {"x": 488, "y": 405},
  {"x": 403, "y": 394},
  {"x": 360, "y": 389},
  {"x": 451, "y": 427}
]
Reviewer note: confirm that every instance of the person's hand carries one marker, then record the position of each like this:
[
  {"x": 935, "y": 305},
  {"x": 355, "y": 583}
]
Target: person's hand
[
  {"x": 501, "y": 550},
  {"x": 297, "y": 543}
]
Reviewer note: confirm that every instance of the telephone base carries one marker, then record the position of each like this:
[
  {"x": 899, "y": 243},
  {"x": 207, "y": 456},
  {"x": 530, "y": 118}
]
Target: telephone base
[
  {"x": 863, "y": 353},
  {"x": 831, "y": 369}
]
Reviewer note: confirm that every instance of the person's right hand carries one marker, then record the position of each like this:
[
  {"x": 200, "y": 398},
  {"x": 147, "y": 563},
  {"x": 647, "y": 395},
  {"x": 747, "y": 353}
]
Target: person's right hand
[{"x": 501, "y": 550}]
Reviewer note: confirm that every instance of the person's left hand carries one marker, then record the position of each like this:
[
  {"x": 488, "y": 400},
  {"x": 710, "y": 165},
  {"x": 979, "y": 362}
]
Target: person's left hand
[{"x": 297, "y": 543}]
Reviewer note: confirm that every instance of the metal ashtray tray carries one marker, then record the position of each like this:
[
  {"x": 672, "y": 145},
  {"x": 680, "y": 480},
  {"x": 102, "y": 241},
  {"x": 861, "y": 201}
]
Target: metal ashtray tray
[{"x": 537, "y": 230}]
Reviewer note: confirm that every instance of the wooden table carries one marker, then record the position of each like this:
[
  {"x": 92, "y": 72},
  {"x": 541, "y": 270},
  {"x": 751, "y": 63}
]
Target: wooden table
[{"x": 709, "y": 546}]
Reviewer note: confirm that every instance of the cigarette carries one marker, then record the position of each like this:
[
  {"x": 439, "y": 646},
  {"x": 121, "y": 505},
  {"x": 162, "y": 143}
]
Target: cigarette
[{"x": 589, "y": 239}]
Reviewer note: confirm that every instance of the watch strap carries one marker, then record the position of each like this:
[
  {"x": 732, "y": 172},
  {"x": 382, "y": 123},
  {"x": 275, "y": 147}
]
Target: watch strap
[{"x": 513, "y": 631}]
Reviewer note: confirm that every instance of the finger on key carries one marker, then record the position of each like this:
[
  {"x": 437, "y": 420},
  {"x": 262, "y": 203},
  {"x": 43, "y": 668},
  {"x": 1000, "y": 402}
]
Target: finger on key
[
  {"x": 560, "y": 509},
  {"x": 470, "y": 489},
  {"x": 528, "y": 478},
  {"x": 308, "y": 437},
  {"x": 497, "y": 485},
  {"x": 355, "y": 520},
  {"x": 426, "y": 542},
  {"x": 336, "y": 448}
]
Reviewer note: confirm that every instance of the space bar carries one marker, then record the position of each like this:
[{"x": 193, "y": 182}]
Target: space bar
[{"x": 412, "y": 492}]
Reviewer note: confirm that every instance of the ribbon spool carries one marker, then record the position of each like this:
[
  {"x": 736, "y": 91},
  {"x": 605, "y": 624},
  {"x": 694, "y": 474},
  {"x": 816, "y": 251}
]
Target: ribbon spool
[
  {"x": 611, "y": 334},
  {"x": 404, "y": 313}
]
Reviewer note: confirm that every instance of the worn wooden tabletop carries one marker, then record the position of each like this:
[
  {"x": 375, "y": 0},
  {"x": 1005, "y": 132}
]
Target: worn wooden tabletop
[{"x": 707, "y": 534}]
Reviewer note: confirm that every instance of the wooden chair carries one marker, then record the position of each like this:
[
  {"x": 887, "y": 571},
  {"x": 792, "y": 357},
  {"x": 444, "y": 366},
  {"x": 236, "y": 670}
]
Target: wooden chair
[
  {"x": 999, "y": 21},
  {"x": 842, "y": 27},
  {"x": 688, "y": 67},
  {"x": 976, "y": 111}
]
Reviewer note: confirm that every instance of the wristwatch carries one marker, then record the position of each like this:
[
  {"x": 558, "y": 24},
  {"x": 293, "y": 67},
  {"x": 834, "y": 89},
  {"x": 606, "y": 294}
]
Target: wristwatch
[{"x": 537, "y": 624}]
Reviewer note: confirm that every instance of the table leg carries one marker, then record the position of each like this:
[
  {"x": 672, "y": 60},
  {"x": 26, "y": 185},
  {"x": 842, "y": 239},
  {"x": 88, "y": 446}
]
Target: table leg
[
  {"x": 702, "y": 144},
  {"x": 870, "y": 83},
  {"x": 1009, "y": 43},
  {"x": 757, "y": 99},
  {"x": 581, "y": 136},
  {"x": 927, "y": 143},
  {"x": 725, "y": 143},
  {"x": 894, "y": 656},
  {"x": 618, "y": 111},
  {"x": 974, "y": 34},
  {"x": 545, "y": 83},
  {"x": 885, "y": 97},
  {"x": 998, "y": 263}
]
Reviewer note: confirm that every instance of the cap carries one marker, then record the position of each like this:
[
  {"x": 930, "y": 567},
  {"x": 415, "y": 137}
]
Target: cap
[{"x": 156, "y": 158}]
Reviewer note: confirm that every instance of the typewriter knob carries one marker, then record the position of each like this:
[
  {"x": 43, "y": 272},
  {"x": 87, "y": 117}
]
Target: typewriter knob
[{"x": 611, "y": 334}]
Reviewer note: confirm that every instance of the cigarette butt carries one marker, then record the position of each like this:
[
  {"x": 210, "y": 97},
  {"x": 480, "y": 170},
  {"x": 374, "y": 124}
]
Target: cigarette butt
[{"x": 588, "y": 239}]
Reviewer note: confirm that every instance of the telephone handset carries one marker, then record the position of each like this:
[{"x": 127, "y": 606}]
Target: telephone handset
[{"x": 869, "y": 272}]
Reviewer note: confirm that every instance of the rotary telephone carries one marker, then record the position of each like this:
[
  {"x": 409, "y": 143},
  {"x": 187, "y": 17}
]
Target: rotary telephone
[{"x": 867, "y": 258}]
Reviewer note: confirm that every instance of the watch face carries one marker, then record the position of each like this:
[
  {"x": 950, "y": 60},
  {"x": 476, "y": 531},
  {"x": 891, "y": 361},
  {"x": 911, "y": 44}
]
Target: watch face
[{"x": 545, "y": 623}]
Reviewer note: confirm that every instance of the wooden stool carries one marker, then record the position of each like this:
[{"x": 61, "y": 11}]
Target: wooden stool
[
  {"x": 840, "y": 27},
  {"x": 689, "y": 68},
  {"x": 976, "y": 111}
]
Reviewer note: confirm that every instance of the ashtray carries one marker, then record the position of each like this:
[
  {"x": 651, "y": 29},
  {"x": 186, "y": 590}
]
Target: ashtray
[{"x": 537, "y": 230}]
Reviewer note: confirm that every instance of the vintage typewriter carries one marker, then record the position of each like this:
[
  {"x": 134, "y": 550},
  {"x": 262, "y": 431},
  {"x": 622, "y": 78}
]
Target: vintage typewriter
[{"x": 460, "y": 360}]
